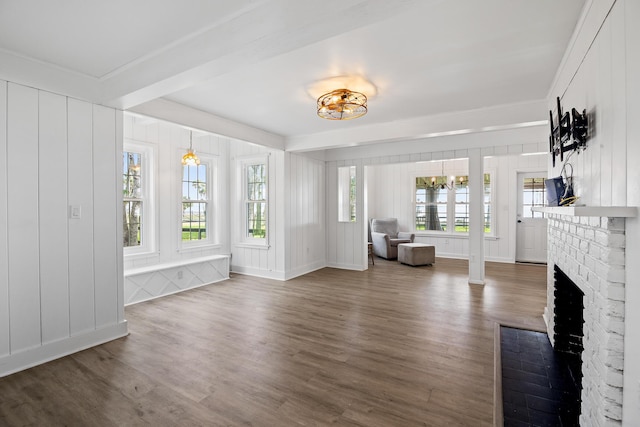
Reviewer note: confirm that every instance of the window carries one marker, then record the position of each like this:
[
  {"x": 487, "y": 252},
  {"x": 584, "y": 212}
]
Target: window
[
  {"x": 347, "y": 194},
  {"x": 437, "y": 205},
  {"x": 195, "y": 201},
  {"x": 533, "y": 195},
  {"x": 133, "y": 198},
  {"x": 138, "y": 212},
  {"x": 256, "y": 200},
  {"x": 488, "y": 217},
  {"x": 462, "y": 204}
]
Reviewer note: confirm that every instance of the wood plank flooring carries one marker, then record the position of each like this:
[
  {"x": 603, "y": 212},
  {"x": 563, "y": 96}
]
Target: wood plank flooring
[{"x": 393, "y": 346}]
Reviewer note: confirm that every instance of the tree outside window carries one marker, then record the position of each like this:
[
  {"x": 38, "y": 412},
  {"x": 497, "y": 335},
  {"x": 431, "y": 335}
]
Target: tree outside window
[
  {"x": 437, "y": 205},
  {"x": 132, "y": 199},
  {"x": 431, "y": 203}
]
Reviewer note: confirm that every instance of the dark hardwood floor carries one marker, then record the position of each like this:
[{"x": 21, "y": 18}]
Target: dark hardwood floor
[{"x": 392, "y": 346}]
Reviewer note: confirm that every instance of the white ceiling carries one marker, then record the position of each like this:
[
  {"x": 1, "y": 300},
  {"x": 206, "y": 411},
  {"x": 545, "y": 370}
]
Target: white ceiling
[{"x": 252, "y": 61}]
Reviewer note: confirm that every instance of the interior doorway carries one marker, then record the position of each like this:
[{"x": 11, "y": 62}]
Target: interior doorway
[{"x": 531, "y": 226}]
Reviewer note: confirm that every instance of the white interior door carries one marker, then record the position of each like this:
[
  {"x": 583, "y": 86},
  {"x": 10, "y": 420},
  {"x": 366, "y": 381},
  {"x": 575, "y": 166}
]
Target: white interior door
[{"x": 531, "y": 227}]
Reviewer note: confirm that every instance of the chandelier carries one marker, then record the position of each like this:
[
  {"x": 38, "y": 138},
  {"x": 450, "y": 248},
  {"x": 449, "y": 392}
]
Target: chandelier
[
  {"x": 443, "y": 184},
  {"x": 342, "y": 104},
  {"x": 190, "y": 158}
]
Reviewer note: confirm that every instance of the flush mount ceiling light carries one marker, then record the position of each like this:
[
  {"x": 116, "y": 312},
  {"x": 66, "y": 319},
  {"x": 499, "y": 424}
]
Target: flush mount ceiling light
[
  {"x": 342, "y": 104},
  {"x": 190, "y": 158}
]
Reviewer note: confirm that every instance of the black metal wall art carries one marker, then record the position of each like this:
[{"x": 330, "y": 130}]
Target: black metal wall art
[{"x": 568, "y": 133}]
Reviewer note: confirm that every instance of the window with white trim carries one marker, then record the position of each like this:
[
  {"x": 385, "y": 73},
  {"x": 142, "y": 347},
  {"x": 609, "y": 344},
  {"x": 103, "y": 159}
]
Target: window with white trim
[
  {"x": 255, "y": 196},
  {"x": 347, "y": 194},
  {"x": 195, "y": 224},
  {"x": 137, "y": 208},
  {"x": 133, "y": 198}
]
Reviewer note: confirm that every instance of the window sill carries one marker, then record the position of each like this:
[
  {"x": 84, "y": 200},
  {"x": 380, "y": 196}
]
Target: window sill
[
  {"x": 139, "y": 255},
  {"x": 260, "y": 246},
  {"x": 445, "y": 235},
  {"x": 198, "y": 247}
]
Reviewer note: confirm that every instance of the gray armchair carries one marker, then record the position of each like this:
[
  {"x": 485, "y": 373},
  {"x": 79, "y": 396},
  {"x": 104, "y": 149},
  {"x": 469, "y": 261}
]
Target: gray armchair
[{"x": 386, "y": 235}]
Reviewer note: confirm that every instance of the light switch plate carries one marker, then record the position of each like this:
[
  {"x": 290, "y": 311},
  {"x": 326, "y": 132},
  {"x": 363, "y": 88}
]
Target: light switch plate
[{"x": 75, "y": 211}]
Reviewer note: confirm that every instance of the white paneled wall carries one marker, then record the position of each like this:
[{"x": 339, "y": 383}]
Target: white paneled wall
[
  {"x": 305, "y": 232},
  {"x": 60, "y": 278},
  {"x": 346, "y": 247},
  {"x": 599, "y": 86},
  {"x": 54, "y": 227},
  {"x": 601, "y": 73},
  {"x": 24, "y": 276},
  {"x": 259, "y": 260},
  {"x": 5, "y": 336}
]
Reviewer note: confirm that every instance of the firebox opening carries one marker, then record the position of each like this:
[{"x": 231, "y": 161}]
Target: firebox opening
[{"x": 568, "y": 323}]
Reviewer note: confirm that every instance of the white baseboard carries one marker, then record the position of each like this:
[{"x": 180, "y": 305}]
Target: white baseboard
[
  {"x": 54, "y": 350},
  {"x": 267, "y": 274},
  {"x": 355, "y": 267},
  {"x": 503, "y": 260},
  {"x": 466, "y": 257}
]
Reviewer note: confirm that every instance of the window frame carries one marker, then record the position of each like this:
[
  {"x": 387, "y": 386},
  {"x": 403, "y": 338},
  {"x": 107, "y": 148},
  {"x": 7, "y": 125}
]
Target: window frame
[
  {"x": 438, "y": 179},
  {"x": 148, "y": 177},
  {"x": 451, "y": 203},
  {"x": 347, "y": 193},
  {"x": 212, "y": 232},
  {"x": 243, "y": 165}
]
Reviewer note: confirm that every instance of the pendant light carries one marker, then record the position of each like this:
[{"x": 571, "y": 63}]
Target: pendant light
[{"x": 190, "y": 158}]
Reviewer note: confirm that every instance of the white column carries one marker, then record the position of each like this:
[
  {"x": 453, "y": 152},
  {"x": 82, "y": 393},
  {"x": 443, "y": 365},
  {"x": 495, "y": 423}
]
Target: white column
[{"x": 476, "y": 217}]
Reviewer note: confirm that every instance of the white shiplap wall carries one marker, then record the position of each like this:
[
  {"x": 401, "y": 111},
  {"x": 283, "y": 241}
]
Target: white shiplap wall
[
  {"x": 60, "y": 278},
  {"x": 346, "y": 241},
  {"x": 601, "y": 73},
  {"x": 259, "y": 260},
  {"x": 305, "y": 219},
  {"x": 169, "y": 142},
  {"x": 296, "y": 243}
]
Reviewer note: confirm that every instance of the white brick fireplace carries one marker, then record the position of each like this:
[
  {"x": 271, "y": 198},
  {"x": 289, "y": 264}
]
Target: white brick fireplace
[{"x": 588, "y": 245}]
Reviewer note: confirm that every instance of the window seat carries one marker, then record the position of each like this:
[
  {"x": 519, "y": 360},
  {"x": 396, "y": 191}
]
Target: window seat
[{"x": 154, "y": 281}]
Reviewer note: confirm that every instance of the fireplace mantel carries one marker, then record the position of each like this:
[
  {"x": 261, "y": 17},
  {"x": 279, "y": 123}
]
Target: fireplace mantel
[{"x": 593, "y": 211}]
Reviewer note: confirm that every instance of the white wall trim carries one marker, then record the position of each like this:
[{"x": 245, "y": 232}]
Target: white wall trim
[
  {"x": 256, "y": 272},
  {"x": 57, "y": 349},
  {"x": 355, "y": 267}
]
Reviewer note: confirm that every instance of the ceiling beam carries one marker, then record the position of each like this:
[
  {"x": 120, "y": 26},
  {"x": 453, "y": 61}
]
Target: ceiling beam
[{"x": 512, "y": 116}]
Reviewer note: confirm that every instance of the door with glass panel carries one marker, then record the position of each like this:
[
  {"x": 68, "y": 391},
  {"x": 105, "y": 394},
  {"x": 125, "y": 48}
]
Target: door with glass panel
[{"x": 531, "y": 226}]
